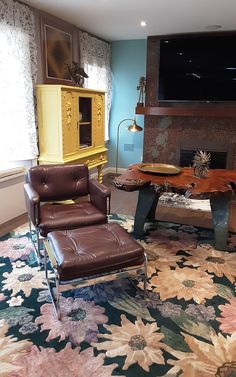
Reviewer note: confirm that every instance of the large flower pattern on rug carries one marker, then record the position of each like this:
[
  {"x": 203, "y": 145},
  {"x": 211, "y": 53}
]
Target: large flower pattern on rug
[
  {"x": 216, "y": 359},
  {"x": 185, "y": 327},
  {"x": 79, "y": 320},
  {"x": 140, "y": 343},
  {"x": 46, "y": 362},
  {"x": 23, "y": 279},
  {"x": 183, "y": 283}
]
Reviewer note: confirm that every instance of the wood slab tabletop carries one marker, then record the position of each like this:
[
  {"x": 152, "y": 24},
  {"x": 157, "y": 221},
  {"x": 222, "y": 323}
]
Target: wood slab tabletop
[{"x": 218, "y": 182}]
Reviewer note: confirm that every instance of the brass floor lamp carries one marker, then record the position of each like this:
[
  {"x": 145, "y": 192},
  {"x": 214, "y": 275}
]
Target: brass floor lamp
[{"x": 131, "y": 128}]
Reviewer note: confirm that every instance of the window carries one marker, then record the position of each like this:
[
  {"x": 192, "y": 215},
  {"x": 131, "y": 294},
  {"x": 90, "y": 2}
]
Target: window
[
  {"x": 95, "y": 57},
  {"x": 18, "y": 138}
]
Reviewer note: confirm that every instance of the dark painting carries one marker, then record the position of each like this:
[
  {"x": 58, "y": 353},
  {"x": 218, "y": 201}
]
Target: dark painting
[{"x": 58, "y": 46}]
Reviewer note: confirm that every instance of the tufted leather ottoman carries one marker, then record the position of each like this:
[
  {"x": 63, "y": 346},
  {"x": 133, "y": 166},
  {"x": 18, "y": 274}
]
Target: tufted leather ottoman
[{"x": 87, "y": 255}]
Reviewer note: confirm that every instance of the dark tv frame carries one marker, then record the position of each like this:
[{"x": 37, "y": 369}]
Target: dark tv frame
[{"x": 152, "y": 70}]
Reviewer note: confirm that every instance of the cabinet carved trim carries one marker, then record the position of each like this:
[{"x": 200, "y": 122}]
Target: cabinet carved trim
[
  {"x": 99, "y": 108},
  {"x": 68, "y": 113}
]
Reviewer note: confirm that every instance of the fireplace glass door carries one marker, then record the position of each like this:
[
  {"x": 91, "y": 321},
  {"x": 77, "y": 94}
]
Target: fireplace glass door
[{"x": 218, "y": 159}]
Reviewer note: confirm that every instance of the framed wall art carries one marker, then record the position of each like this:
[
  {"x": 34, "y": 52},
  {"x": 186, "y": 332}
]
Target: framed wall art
[{"x": 57, "y": 52}]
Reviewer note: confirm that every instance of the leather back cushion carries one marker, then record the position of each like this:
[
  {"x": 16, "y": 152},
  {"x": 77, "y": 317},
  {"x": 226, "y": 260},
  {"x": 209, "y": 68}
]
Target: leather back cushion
[{"x": 59, "y": 182}]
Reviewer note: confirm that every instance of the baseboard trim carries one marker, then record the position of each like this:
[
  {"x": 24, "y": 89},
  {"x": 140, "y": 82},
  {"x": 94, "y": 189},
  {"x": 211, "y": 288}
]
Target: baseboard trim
[
  {"x": 109, "y": 170},
  {"x": 9, "y": 225}
]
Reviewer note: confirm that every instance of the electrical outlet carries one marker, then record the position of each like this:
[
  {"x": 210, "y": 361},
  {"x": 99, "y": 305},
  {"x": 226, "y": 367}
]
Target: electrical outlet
[{"x": 129, "y": 147}]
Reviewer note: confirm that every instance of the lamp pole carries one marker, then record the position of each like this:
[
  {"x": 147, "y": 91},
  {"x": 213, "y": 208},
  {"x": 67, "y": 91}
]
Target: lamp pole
[{"x": 133, "y": 128}]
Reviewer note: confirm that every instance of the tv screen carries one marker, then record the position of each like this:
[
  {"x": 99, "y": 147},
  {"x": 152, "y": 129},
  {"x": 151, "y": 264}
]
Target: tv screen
[{"x": 199, "y": 68}]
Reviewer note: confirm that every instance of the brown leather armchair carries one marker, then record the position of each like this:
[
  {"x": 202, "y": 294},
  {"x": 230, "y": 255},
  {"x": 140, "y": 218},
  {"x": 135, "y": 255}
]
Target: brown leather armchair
[{"x": 47, "y": 188}]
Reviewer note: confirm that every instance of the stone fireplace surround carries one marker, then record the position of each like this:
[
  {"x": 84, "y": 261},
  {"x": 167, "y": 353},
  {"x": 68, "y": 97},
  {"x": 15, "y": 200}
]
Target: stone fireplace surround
[{"x": 165, "y": 136}]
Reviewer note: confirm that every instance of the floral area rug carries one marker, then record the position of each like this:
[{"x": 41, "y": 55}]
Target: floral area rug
[{"x": 186, "y": 327}]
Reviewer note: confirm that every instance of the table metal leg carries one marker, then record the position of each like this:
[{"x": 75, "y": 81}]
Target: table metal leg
[
  {"x": 220, "y": 217},
  {"x": 151, "y": 214},
  {"x": 147, "y": 200}
]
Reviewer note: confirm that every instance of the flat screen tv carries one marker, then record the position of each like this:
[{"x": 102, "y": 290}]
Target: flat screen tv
[{"x": 197, "y": 68}]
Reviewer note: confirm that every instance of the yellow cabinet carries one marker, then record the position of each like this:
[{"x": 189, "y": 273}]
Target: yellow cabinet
[{"x": 71, "y": 126}]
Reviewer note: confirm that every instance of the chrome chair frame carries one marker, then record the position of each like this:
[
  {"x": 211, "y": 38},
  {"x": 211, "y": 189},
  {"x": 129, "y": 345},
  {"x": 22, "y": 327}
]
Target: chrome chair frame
[
  {"x": 36, "y": 242},
  {"x": 86, "y": 281}
]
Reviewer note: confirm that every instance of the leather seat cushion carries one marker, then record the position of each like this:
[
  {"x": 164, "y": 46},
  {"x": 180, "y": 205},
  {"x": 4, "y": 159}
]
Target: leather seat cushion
[
  {"x": 69, "y": 216},
  {"x": 94, "y": 250}
]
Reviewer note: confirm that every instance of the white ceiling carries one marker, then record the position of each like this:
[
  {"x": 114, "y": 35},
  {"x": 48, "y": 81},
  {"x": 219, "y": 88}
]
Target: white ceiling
[{"x": 120, "y": 19}]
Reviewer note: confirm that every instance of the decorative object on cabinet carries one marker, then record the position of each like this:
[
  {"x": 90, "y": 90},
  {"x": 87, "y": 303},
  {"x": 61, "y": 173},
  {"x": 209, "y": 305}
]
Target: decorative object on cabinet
[
  {"x": 134, "y": 127},
  {"x": 201, "y": 164},
  {"x": 71, "y": 126},
  {"x": 77, "y": 73},
  {"x": 141, "y": 88},
  {"x": 57, "y": 51}
]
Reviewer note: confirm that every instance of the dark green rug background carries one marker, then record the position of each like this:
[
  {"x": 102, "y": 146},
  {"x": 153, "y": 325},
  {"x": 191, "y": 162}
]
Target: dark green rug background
[{"x": 183, "y": 326}]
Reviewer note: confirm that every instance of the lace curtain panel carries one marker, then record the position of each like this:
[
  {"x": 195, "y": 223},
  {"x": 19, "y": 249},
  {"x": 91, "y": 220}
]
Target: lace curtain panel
[
  {"x": 95, "y": 56},
  {"x": 18, "y": 137}
]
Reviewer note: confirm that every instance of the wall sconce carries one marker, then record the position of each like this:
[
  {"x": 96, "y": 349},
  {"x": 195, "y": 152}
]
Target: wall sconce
[{"x": 131, "y": 128}]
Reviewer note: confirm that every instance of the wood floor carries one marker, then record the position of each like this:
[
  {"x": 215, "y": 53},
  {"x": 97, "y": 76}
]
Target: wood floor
[{"x": 121, "y": 202}]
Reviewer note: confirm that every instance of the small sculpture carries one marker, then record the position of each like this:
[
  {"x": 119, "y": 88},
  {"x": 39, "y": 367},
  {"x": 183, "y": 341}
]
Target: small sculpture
[
  {"x": 77, "y": 73},
  {"x": 141, "y": 88},
  {"x": 201, "y": 163}
]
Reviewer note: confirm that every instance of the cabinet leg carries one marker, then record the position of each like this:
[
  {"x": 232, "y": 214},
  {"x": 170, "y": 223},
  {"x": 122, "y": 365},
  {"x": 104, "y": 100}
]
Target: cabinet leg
[{"x": 100, "y": 173}]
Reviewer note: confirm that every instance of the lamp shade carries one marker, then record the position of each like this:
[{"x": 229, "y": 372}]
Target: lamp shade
[{"x": 134, "y": 127}]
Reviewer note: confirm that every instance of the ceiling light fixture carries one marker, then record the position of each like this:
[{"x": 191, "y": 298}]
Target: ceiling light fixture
[{"x": 143, "y": 23}]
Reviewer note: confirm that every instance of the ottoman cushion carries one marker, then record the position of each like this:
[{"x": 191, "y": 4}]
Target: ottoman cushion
[{"x": 94, "y": 250}]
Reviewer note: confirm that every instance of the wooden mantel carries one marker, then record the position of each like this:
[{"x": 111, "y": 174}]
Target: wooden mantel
[{"x": 205, "y": 111}]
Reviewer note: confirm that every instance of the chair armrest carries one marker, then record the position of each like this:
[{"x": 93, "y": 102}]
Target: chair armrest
[
  {"x": 32, "y": 201},
  {"x": 100, "y": 195}
]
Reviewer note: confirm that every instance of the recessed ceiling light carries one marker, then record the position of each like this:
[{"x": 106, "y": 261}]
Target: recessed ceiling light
[
  {"x": 213, "y": 27},
  {"x": 143, "y": 23}
]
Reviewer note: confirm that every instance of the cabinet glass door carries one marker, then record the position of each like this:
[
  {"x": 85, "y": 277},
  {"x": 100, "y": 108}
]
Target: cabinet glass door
[{"x": 85, "y": 122}]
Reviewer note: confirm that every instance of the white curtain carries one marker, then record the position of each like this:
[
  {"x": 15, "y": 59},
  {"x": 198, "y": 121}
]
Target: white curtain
[
  {"x": 18, "y": 137},
  {"x": 95, "y": 56}
]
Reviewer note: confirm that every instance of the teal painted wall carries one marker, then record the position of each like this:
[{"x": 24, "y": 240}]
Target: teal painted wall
[{"x": 128, "y": 65}]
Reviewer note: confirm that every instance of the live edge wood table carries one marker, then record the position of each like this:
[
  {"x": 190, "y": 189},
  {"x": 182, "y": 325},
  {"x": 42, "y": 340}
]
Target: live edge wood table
[{"x": 219, "y": 187}]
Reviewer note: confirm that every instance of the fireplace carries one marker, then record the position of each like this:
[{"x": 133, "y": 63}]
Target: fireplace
[
  {"x": 218, "y": 159},
  {"x": 221, "y": 155},
  {"x": 170, "y": 139}
]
